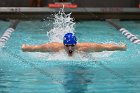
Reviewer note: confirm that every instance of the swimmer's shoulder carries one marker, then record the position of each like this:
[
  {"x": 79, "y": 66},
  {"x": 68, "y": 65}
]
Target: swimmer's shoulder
[
  {"x": 56, "y": 44},
  {"x": 86, "y": 44}
]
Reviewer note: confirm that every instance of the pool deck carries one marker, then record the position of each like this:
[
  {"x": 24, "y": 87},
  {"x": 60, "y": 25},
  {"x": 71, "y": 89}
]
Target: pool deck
[{"x": 83, "y": 13}]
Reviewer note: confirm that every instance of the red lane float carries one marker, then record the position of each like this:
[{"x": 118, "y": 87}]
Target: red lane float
[{"x": 60, "y": 5}]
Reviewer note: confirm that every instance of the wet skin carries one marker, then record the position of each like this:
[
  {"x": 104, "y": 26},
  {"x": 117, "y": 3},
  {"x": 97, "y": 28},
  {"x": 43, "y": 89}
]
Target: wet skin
[
  {"x": 85, "y": 47},
  {"x": 70, "y": 49}
]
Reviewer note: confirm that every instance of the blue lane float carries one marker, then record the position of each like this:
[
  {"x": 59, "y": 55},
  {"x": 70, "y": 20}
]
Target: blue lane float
[
  {"x": 5, "y": 37},
  {"x": 125, "y": 32}
]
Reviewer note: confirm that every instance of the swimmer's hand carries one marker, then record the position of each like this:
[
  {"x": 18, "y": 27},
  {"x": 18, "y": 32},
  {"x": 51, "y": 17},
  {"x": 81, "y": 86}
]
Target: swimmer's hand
[
  {"x": 123, "y": 47},
  {"x": 25, "y": 47}
]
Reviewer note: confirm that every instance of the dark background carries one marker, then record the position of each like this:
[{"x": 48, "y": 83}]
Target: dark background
[{"x": 80, "y": 3}]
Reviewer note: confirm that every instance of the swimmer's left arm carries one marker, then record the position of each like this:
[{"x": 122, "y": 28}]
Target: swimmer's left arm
[
  {"x": 96, "y": 47},
  {"x": 108, "y": 47}
]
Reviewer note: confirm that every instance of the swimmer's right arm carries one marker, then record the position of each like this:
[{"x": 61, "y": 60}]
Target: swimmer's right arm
[
  {"x": 35, "y": 48},
  {"x": 48, "y": 47}
]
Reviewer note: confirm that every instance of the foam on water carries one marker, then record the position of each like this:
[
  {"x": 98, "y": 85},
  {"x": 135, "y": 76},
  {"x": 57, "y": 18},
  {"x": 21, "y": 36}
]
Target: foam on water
[
  {"x": 77, "y": 56},
  {"x": 62, "y": 24}
]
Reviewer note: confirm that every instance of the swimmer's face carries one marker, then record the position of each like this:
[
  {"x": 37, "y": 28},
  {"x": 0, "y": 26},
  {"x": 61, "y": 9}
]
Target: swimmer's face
[{"x": 70, "y": 49}]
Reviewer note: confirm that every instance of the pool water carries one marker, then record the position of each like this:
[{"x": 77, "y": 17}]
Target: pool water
[{"x": 105, "y": 72}]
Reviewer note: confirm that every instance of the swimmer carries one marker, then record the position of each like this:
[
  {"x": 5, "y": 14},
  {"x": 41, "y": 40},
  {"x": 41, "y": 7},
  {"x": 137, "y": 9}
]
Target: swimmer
[{"x": 70, "y": 45}]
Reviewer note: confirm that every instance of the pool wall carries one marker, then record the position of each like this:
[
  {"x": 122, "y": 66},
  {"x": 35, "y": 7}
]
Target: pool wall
[
  {"x": 78, "y": 13},
  {"x": 87, "y": 9}
]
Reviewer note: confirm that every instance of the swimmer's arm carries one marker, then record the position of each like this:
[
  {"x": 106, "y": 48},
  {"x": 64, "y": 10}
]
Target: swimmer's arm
[
  {"x": 35, "y": 48},
  {"x": 48, "y": 47},
  {"x": 113, "y": 47},
  {"x": 90, "y": 47}
]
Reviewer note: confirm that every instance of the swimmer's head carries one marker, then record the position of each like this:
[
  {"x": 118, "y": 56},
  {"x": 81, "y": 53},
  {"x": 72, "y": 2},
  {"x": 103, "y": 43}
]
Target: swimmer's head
[{"x": 69, "y": 41}]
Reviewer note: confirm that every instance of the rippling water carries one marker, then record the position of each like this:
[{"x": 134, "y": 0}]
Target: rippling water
[{"x": 114, "y": 72}]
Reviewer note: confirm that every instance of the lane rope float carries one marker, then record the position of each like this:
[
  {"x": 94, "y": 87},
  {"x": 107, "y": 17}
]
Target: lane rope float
[
  {"x": 125, "y": 32},
  {"x": 7, "y": 34}
]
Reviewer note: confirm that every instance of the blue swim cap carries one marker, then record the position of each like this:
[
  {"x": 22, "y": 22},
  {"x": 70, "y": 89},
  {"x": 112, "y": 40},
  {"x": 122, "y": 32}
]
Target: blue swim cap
[{"x": 69, "y": 39}]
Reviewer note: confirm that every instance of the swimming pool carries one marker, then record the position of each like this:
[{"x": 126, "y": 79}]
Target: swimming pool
[{"x": 109, "y": 72}]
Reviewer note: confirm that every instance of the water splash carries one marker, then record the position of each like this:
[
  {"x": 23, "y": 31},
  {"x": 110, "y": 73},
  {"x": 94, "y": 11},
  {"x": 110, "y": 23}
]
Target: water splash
[{"x": 63, "y": 23}]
